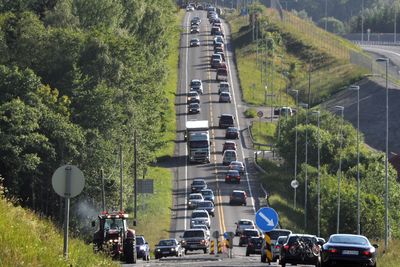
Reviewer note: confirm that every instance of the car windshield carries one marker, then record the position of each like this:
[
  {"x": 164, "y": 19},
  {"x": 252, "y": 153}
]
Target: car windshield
[
  {"x": 205, "y": 204},
  {"x": 198, "y": 144},
  {"x": 199, "y": 214},
  {"x": 167, "y": 243},
  {"x": 281, "y": 240},
  {"x": 199, "y": 183},
  {"x": 193, "y": 234},
  {"x": 233, "y": 172},
  {"x": 349, "y": 240},
  {"x": 139, "y": 241},
  {"x": 195, "y": 83},
  {"x": 232, "y": 130},
  {"x": 250, "y": 233},
  {"x": 194, "y": 105},
  {"x": 277, "y": 233},
  {"x": 207, "y": 193},
  {"x": 195, "y": 197},
  {"x": 200, "y": 226},
  {"x": 113, "y": 223},
  {"x": 245, "y": 223},
  {"x": 237, "y": 194},
  {"x": 192, "y": 94}
]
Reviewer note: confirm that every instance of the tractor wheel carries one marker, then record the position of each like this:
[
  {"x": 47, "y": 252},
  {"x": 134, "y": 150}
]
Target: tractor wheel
[{"x": 130, "y": 252}]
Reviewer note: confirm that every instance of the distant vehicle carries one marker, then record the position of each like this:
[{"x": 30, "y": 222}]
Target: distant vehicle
[
  {"x": 218, "y": 49},
  {"x": 244, "y": 224},
  {"x": 196, "y": 85},
  {"x": 246, "y": 235},
  {"x": 218, "y": 39},
  {"x": 142, "y": 248},
  {"x": 215, "y": 57},
  {"x": 229, "y": 156},
  {"x": 194, "y": 108},
  {"x": 198, "y": 185},
  {"x": 195, "y": 239},
  {"x": 208, "y": 206},
  {"x": 196, "y": 19},
  {"x": 225, "y": 97},
  {"x": 237, "y": 165},
  {"x": 229, "y": 145},
  {"x": 238, "y": 197},
  {"x": 199, "y": 7},
  {"x": 167, "y": 248},
  {"x": 223, "y": 87},
  {"x": 208, "y": 194},
  {"x": 254, "y": 245},
  {"x": 194, "y": 199},
  {"x": 273, "y": 236},
  {"x": 222, "y": 74},
  {"x": 284, "y": 111},
  {"x": 276, "y": 249},
  {"x": 195, "y": 22},
  {"x": 203, "y": 227},
  {"x": 223, "y": 57},
  {"x": 193, "y": 97},
  {"x": 300, "y": 249},
  {"x": 345, "y": 248},
  {"x": 194, "y": 42},
  {"x": 232, "y": 176},
  {"x": 219, "y": 44},
  {"x": 226, "y": 120},
  {"x": 216, "y": 62},
  {"x": 214, "y": 30},
  {"x": 200, "y": 217},
  {"x": 195, "y": 29},
  {"x": 189, "y": 8},
  {"x": 198, "y": 141},
  {"x": 232, "y": 133}
]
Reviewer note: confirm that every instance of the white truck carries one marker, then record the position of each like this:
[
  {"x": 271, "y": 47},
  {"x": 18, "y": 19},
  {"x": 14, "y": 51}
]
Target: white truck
[{"x": 198, "y": 141}]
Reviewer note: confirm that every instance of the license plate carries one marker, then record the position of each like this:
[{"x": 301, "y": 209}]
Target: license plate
[
  {"x": 165, "y": 252},
  {"x": 350, "y": 252}
]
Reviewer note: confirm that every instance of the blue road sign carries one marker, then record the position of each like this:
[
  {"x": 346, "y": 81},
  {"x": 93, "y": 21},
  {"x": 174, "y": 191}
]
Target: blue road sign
[{"x": 266, "y": 219}]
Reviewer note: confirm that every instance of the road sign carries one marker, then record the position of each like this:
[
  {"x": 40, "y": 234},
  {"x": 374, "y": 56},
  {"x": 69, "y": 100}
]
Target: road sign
[
  {"x": 215, "y": 234},
  {"x": 229, "y": 235},
  {"x": 266, "y": 219},
  {"x": 145, "y": 186},
  {"x": 294, "y": 184},
  {"x": 260, "y": 114},
  {"x": 68, "y": 178}
]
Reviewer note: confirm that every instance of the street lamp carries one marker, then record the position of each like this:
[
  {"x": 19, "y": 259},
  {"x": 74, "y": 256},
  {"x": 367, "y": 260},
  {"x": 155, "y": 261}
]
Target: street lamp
[
  {"x": 362, "y": 22},
  {"x": 319, "y": 178},
  {"x": 386, "y": 60},
  {"x": 295, "y": 146},
  {"x": 357, "y": 88},
  {"x": 341, "y": 108}
]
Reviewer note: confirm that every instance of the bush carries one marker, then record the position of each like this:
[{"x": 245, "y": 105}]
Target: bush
[{"x": 250, "y": 113}]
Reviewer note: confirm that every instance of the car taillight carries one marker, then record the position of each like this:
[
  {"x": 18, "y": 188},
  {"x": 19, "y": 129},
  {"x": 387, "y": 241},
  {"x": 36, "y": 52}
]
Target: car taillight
[
  {"x": 278, "y": 247},
  {"x": 286, "y": 247},
  {"x": 333, "y": 250},
  {"x": 367, "y": 253}
]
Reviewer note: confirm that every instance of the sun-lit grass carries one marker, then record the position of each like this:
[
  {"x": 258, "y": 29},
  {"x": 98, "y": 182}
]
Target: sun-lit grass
[
  {"x": 263, "y": 132},
  {"x": 27, "y": 240}
]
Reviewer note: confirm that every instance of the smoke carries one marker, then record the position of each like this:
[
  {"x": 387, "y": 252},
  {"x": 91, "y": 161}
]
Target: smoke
[{"x": 83, "y": 212}]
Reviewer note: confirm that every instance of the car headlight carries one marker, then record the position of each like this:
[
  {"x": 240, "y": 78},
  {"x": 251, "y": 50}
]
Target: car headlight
[
  {"x": 172, "y": 249},
  {"x": 142, "y": 247},
  {"x": 190, "y": 202},
  {"x": 158, "y": 249}
]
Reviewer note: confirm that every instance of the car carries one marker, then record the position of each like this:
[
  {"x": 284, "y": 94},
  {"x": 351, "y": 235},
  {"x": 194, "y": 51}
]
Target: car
[
  {"x": 223, "y": 58},
  {"x": 231, "y": 145},
  {"x": 218, "y": 49},
  {"x": 225, "y": 97},
  {"x": 232, "y": 133},
  {"x": 199, "y": 7},
  {"x": 222, "y": 65},
  {"x": 200, "y": 217},
  {"x": 189, "y": 8},
  {"x": 193, "y": 97},
  {"x": 237, "y": 165},
  {"x": 194, "y": 23},
  {"x": 195, "y": 239},
  {"x": 221, "y": 75},
  {"x": 219, "y": 32},
  {"x": 232, "y": 176},
  {"x": 194, "y": 29},
  {"x": 203, "y": 227},
  {"x": 142, "y": 248},
  {"x": 238, "y": 197},
  {"x": 196, "y": 85},
  {"x": 214, "y": 30},
  {"x": 198, "y": 185},
  {"x": 244, "y": 224},
  {"x": 300, "y": 249},
  {"x": 228, "y": 156},
  {"x": 254, "y": 245},
  {"x": 273, "y": 236},
  {"x": 284, "y": 111},
  {"x": 218, "y": 44},
  {"x": 246, "y": 235},
  {"x": 194, "y": 108},
  {"x": 208, "y": 194},
  {"x": 194, "y": 199},
  {"x": 194, "y": 42},
  {"x": 168, "y": 247},
  {"x": 215, "y": 63},
  {"x": 226, "y": 120},
  {"x": 215, "y": 56},
  {"x": 276, "y": 249},
  {"x": 198, "y": 19},
  {"x": 348, "y": 249},
  {"x": 223, "y": 87},
  {"x": 208, "y": 206}
]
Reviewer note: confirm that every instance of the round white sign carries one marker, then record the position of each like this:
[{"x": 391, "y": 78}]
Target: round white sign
[
  {"x": 294, "y": 184},
  {"x": 76, "y": 181}
]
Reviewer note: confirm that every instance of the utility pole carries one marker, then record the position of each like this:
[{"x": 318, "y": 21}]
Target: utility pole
[
  {"x": 103, "y": 195},
  {"x": 135, "y": 178},
  {"x": 121, "y": 174}
]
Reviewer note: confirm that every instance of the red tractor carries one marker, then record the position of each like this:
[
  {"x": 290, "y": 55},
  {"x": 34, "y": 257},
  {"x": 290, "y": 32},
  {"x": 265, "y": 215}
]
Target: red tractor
[{"x": 114, "y": 237}]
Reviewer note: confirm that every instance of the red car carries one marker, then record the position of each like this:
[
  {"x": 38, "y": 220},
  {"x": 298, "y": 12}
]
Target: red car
[
  {"x": 238, "y": 197},
  {"x": 229, "y": 145},
  {"x": 232, "y": 176}
]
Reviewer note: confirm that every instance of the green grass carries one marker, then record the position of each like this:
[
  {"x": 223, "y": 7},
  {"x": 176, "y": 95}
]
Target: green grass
[
  {"x": 27, "y": 240},
  {"x": 263, "y": 132},
  {"x": 250, "y": 113}
]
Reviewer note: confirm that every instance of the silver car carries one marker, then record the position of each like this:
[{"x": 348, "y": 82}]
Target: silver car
[
  {"x": 194, "y": 199},
  {"x": 276, "y": 249},
  {"x": 225, "y": 97},
  {"x": 194, "y": 42},
  {"x": 196, "y": 85}
]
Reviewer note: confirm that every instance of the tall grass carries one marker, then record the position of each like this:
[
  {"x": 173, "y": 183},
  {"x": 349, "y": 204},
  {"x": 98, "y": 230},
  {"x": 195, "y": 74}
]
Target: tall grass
[{"x": 263, "y": 132}]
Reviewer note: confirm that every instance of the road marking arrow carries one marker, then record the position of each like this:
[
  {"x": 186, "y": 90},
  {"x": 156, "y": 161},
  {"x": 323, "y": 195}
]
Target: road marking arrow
[{"x": 269, "y": 222}]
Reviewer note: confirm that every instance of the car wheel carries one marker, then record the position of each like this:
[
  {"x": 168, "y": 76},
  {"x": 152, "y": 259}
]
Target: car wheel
[
  {"x": 186, "y": 251},
  {"x": 283, "y": 264},
  {"x": 247, "y": 254},
  {"x": 205, "y": 251}
]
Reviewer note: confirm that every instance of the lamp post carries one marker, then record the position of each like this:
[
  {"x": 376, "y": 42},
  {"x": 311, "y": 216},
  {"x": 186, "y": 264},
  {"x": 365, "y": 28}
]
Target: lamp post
[
  {"x": 295, "y": 146},
  {"x": 318, "y": 178},
  {"x": 357, "y": 88},
  {"x": 341, "y": 108},
  {"x": 386, "y": 60},
  {"x": 362, "y": 22}
]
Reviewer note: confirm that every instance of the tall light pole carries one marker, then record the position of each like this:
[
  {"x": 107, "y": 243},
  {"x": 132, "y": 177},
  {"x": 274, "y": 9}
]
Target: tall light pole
[
  {"x": 318, "y": 179},
  {"x": 295, "y": 146},
  {"x": 357, "y": 88},
  {"x": 386, "y": 60},
  {"x": 341, "y": 108},
  {"x": 362, "y": 22}
]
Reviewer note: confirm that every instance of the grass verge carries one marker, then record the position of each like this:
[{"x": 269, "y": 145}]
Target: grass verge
[
  {"x": 27, "y": 240},
  {"x": 263, "y": 132}
]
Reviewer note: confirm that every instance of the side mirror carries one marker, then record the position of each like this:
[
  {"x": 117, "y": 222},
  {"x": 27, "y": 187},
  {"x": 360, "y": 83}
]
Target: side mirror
[
  {"x": 375, "y": 245},
  {"x": 146, "y": 243},
  {"x": 93, "y": 223}
]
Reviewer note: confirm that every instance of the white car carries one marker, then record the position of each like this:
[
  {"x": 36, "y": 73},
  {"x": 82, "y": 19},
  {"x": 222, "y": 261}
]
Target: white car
[
  {"x": 194, "y": 199},
  {"x": 196, "y": 85},
  {"x": 223, "y": 87},
  {"x": 202, "y": 226},
  {"x": 200, "y": 217},
  {"x": 244, "y": 224},
  {"x": 237, "y": 165},
  {"x": 190, "y": 8}
]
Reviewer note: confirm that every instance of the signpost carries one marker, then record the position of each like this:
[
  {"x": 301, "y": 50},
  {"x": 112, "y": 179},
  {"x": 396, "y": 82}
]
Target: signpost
[
  {"x": 260, "y": 114},
  {"x": 294, "y": 184},
  {"x": 267, "y": 219},
  {"x": 67, "y": 181},
  {"x": 229, "y": 236},
  {"x": 215, "y": 234}
]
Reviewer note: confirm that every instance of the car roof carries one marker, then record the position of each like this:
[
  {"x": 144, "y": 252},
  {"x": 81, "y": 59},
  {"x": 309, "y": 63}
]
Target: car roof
[
  {"x": 207, "y": 189},
  {"x": 196, "y": 80},
  {"x": 246, "y": 220},
  {"x": 197, "y": 179},
  {"x": 230, "y": 142},
  {"x": 226, "y": 115},
  {"x": 236, "y": 162},
  {"x": 195, "y": 194},
  {"x": 238, "y": 191},
  {"x": 193, "y": 92},
  {"x": 225, "y": 93},
  {"x": 200, "y": 210},
  {"x": 195, "y": 39}
]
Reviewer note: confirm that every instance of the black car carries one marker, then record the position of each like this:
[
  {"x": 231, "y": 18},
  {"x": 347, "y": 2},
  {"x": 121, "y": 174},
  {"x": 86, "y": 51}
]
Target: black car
[
  {"x": 198, "y": 185},
  {"x": 232, "y": 133},
  {"x": 193, "y": 108},
  {"x": 301, "y": 249},
  {"x": 254, "y": 246},
  {"x": 167, "y": 248},
  {"x": 343, "y": 249},
  {"x": 246, "y": 235},
  {"x": 142, "y": 248},
  {"x": 226, "y": 120},
  {"x": 208, "y": 206},
  {"x": 208, "y": 194}
]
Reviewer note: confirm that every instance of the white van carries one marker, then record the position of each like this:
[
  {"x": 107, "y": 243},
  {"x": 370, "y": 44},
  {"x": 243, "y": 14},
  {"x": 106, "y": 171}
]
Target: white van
[{"x": 229, "y": 156}]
